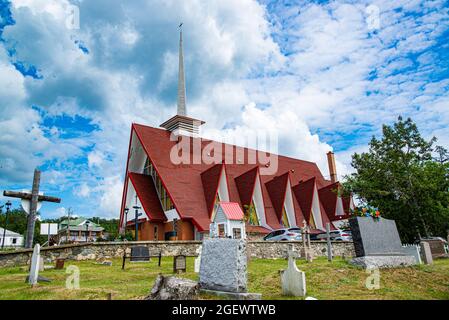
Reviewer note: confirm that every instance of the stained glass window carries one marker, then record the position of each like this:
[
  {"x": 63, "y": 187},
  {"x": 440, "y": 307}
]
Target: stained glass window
[
  {"x": 284, "y": 220},
  {"x": 251, "y": 215}
]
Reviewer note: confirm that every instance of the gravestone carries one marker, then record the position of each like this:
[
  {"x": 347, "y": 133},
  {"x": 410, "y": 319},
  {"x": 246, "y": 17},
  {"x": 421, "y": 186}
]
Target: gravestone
[
  {"x": 437, "y": 247},
  {"x": 426, "y": 254},
  {"x": 35, "y": 261},
  {"x": 59, "y": 264},
  {"x": 293, "y": 280},
  {"x": 198, "y": 260},
  {"x": 412, "y": 250},
  {"x": 140, "y": 254},
  {"x": 223, "y": 268},
  {"x": 377, "y": 244},
  {"x": 179, "y": 264}
]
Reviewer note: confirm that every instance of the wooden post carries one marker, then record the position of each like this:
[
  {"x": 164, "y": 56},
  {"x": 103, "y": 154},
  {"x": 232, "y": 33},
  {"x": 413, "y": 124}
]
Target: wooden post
[
  {"x": 329, "y": 244},
  {"x": 33, "y": 208}
]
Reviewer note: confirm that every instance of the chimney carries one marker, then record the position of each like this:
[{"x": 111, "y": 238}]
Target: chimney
[{"x": 332, "y": 167}]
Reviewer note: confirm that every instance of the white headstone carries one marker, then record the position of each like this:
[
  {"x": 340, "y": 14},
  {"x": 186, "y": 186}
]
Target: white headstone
[
  {"x": 35, "y": 262},
  {"x": 198, "y": 260},
  {"x": 293, "y": 280}
]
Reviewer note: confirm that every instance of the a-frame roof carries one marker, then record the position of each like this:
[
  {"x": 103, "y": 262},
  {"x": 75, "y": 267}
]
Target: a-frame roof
[
  {"x": 277, "y": 188},
  {"x": 328, "y": 197},
  {"x": 303, "y": 192},
  {"x": 211, "y": 179},
  {"x": 185, "y": 182},
  {"x": 245, "y": 185},
  {"x": 146, "y": 192}
]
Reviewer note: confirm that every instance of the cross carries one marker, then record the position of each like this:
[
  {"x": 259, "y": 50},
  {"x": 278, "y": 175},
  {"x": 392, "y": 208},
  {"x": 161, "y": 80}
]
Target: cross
[
  {"x": 136, "y": 219},
  {"x": 33, "y": 199}
]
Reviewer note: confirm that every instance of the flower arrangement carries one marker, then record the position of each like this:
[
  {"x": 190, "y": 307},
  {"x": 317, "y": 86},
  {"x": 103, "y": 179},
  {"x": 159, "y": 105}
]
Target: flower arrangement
[{"x": 366, "y": 212}]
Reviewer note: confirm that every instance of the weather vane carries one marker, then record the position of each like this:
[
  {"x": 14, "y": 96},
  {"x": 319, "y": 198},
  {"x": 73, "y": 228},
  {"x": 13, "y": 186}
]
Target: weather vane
[{"x": 180, "y": 25}]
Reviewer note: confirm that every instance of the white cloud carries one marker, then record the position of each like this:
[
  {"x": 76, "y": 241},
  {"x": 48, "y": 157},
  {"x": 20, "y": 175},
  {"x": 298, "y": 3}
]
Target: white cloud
[{"x": 310, "y": 85}]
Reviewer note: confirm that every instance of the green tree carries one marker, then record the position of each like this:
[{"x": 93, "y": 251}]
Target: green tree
[{"x": 400, "y": 176}]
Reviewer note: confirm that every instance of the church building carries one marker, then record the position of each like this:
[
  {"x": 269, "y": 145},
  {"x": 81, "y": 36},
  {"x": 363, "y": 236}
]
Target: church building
[{"x": 178, "y": 199}]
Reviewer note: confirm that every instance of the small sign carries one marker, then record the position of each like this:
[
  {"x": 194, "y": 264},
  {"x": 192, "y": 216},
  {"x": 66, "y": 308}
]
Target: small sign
[
  {"x": 49, "y": 229},
  {"x": 179, "y": 264}
]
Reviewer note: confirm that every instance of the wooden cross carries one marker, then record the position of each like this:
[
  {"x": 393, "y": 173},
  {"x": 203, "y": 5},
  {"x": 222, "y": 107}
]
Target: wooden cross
[{"x": 34, "y": 199}]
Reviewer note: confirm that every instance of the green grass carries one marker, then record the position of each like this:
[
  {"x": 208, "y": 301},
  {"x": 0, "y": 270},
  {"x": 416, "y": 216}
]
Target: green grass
[{"x": 336, "y": 280}]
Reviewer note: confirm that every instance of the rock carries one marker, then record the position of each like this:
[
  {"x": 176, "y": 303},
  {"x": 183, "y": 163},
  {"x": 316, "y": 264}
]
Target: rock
[{"x": 172, "y": 288}]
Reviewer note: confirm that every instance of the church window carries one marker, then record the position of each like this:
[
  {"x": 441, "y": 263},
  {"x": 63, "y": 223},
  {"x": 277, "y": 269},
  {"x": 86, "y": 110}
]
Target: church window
[
  {"x": 284, "y": 220},
  {"x": 312, "y": 221},
  {"x": 166, "y": 202},
  {"x": 251, "y": 215}
]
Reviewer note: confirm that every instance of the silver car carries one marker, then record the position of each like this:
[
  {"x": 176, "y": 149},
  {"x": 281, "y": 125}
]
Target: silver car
[{"x": 285, "y": 234}]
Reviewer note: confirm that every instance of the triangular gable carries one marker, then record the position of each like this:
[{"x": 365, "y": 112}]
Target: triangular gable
[
  {"x": 304, "y": 194},
  {"x": 146, "y": 192},
  {"x": 328, "y": 197},
  {"x": 245, "y": 185},
  {"x": 214, "y": 180},
  {"x": 348, "y": 204},
  {"x": 289, "y": 205},
  {"x": 277, "y": 189}
]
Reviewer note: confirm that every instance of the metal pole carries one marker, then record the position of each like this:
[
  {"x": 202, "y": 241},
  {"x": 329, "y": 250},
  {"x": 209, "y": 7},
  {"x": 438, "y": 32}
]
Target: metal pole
[
  {"x": 329, "y": 245},
  {"x": 6, "y": 224},
  {"x": 137, "y": 224},
  {"x": 33, "y": 209}
]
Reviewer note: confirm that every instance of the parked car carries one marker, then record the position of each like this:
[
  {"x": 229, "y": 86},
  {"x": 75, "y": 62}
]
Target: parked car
[
  {"x": 336, "y": 235},
  {"x": 285, "y": 234}
]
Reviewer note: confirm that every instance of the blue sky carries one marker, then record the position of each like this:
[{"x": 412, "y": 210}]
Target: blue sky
[{"x": 322, "y": 74}]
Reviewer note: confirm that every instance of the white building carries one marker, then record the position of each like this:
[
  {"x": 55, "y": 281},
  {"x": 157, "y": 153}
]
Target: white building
[
  {"x": 228, "y": 221},
  {"x": 12, "y": 239}
]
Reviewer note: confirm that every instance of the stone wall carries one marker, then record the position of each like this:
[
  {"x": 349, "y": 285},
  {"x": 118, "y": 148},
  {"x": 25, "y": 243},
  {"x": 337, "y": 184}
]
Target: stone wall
[
  {"x": 277, "y": 250},
  {"x": 108, "y": 250}
]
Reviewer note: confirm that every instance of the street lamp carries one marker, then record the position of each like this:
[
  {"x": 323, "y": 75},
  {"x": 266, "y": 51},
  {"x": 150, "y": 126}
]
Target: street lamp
[
  {"x": 87, "y": 229},
  {"x": 126, "y": 218},
  {"x": 8, "y": 206}
]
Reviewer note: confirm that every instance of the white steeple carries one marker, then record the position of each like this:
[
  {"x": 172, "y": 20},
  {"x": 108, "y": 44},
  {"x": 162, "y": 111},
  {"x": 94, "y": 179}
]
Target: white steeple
[
  {"x": 182, "y": 111},
  {"x": 181, "y": 124}
]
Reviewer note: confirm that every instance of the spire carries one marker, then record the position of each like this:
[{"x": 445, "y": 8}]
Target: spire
[{"x": 182, "y": 111}]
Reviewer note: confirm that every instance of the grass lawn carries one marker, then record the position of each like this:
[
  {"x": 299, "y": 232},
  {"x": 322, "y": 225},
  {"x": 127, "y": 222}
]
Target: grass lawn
[{"x": 337, "y": 280}]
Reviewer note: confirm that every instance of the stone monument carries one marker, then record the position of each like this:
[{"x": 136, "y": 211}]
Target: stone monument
[
  {"x": 293, "y": 280},
  {"x": 223, "y": 268},
  {"x": 426, "y": 254},
  {"x": 377, "y": 244},
  {"x": 35, "y": 262}
]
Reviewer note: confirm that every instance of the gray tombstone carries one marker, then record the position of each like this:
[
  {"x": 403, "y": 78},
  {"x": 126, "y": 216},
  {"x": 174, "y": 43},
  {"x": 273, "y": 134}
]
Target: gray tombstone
[
  {"x": 426, "y": 254},
  {"x": 223, "y": 265},
  {"x": 35, "y": 261},
  {"x": 377, "y": 244},
  {"x": 140, "y": 254}
]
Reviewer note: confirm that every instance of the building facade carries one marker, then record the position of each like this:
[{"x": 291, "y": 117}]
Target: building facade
[
  {"x": 176, "y": 179},
  {"x": 79, "y": 230},
  {"x": 12, "y": 239}
]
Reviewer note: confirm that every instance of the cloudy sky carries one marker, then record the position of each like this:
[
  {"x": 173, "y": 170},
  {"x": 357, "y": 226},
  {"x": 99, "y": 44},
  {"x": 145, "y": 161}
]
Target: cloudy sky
[{"x": 324, "y": 75}]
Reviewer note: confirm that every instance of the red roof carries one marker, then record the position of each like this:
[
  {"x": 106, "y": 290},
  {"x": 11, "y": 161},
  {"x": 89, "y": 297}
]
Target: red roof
[
  {"x": 303, "y": 192},
  {"x": 232, "y": 210},
  {"x": 256, "y": 229},
  {"x": 277, "y": 188},
  {"x": 147, "y": 194},
  {"x": 328, "y": 196},
  {"x": 192, "y": 187},
  {"x": 245, "y": 185},
  {"x": 210, "y": 179}
]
